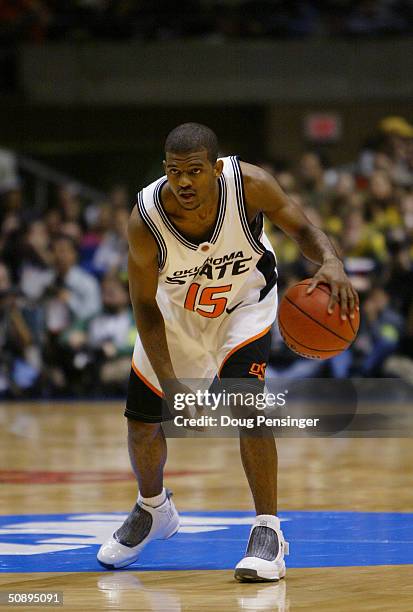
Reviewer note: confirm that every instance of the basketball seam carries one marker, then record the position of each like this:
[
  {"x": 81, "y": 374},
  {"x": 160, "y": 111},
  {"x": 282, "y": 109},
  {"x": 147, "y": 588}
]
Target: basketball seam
[
  {"x": 354, "y": 331},
  {"x": 318, "y": 287},
  {"x": 284, "y": 331},
  {"x": 315, "y": 320},
  {"x": 303, "y": 284}
]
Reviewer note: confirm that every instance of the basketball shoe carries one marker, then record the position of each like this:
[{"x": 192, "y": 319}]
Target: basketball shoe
[
  {"x": 264, "y": 557},
  {"x": 143, "y": 524}
]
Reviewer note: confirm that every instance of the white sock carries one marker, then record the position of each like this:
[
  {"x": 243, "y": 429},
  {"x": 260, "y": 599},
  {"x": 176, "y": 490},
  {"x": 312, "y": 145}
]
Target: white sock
[{"x": 155, "y": 501}]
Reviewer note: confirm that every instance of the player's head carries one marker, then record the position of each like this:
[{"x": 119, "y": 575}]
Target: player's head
[
  {"x": 191, "y": 138},
  {"x": 191, "y": 164}
]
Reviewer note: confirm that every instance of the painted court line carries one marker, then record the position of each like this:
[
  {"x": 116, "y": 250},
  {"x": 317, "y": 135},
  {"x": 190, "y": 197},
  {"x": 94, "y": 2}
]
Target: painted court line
[{"x": 206, "y": 540}]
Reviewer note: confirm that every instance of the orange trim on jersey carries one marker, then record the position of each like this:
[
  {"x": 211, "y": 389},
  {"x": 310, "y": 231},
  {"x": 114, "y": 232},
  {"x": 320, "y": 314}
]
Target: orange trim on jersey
[
  {"x": 239, "y": 346},
  {"x": 146, "y": 381}
]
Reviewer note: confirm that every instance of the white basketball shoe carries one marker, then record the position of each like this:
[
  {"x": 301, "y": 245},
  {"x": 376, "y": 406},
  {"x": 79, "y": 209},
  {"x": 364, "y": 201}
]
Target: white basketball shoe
[
  {"x": 264, "y": 557},
  {"x": 143, "y": 524}
]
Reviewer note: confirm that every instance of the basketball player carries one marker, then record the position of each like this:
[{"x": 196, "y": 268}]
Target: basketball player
[{"x": 202, "y": 280}]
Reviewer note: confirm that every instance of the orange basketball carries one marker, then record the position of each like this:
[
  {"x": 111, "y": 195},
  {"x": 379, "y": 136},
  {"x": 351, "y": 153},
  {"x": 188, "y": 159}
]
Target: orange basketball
[{"x": 306, "y": 326}]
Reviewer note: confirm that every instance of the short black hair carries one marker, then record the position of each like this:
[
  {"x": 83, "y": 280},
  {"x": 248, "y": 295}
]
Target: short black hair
[{"x": 191, "y": 137}]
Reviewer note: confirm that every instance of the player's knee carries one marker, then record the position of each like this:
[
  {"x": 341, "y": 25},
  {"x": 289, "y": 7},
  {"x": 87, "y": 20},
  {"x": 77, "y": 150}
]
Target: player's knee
[{"x": 139, "y": 432}]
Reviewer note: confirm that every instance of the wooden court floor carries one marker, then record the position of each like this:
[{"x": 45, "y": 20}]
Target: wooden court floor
[{"x": 72, "y": 458}]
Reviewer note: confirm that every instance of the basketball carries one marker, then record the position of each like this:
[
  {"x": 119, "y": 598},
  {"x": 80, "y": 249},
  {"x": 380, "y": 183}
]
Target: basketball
[{"x": 306, "y": 326}]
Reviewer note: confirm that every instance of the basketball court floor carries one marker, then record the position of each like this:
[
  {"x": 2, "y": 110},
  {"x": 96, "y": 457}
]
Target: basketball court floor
[{"x": 346, "y": 507}]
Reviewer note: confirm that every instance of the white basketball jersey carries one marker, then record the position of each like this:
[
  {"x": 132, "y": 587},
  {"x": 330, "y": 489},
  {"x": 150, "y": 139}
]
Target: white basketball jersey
[{"x": 209, "y": 280}]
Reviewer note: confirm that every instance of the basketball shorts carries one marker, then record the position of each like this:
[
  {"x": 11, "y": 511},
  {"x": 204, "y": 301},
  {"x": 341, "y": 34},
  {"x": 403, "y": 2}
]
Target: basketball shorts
[{"x": 236, "y": 348}]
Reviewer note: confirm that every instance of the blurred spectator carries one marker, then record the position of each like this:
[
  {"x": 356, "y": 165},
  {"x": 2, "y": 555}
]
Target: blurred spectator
[
  {"x": 53, "y": 219},
  {"x": 341, "y": 198},
  {"x": 406, "y": 211},
  {"x": 390, "y": 150},
  {"x": 73, "y": 230},
  {"x": 98, "y": 350},
  {"x": 99, "y": 225},
  {"x": 112, "y": 252},
  {"x": 360, "y": 239},
  {"x": 287, "y": 181},
  {"x": 382, "y": 204},
  {"x": 379, "y": 335},
  {"x": 35, "y": 267},
  {"x": 312, "y": 179},
  {"x": 72, "y": 292},
  {"x": 69, "y": 204},
  {"x": 20, "y": 337},
  {"x": 119, "y": 197}
]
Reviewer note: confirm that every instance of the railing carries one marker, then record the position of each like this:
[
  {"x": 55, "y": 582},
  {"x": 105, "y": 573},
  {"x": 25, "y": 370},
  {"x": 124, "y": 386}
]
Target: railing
[{"x": 44, "y": 176}]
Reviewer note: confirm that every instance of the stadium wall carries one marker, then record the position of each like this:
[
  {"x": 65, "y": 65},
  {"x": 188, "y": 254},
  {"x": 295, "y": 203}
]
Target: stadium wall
[{"x": 232, "y": 72}]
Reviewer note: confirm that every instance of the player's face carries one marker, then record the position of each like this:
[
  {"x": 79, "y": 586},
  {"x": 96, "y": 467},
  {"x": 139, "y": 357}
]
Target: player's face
[{"x": 192, "y": 177}]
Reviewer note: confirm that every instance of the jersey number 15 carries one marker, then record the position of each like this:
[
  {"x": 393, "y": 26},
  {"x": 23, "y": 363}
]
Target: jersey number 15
[{"x": 207, "y": 297}]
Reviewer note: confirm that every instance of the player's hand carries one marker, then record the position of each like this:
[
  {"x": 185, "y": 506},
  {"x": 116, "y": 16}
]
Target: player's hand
[
  {"x": 174, "y": 388},
  {"x": 332, "y": 273}
]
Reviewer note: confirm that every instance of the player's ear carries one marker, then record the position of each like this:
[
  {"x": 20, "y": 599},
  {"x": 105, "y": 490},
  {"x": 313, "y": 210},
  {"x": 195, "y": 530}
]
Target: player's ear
[
  {"x": 218, "y": 167},
  {"x": 164, "y": 165}
]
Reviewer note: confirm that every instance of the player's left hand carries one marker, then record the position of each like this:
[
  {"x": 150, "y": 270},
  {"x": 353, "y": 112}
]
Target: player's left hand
[{"x": 332, "y": 273}]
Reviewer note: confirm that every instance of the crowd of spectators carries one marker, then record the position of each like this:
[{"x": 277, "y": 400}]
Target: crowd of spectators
[
  {"x": 39, "y": 20},
  {"x": 66, "y": 325}
]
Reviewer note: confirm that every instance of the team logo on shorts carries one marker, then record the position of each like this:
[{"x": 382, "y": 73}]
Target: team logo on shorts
[{"x": 258, "y": 369}]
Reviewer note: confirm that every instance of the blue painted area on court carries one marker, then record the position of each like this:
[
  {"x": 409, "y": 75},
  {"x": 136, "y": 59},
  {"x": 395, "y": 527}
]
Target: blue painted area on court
[{"x": 206, "y": 540}]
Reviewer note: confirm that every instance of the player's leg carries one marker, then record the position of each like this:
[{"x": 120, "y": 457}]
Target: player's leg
[
  {"x": 246, "y": 366},
  {"x": 154, "y": 515},
  {"x": 147, "y": 452},
  {"x": 259, "y": 459},
  {"x": 264, "y": 556}
]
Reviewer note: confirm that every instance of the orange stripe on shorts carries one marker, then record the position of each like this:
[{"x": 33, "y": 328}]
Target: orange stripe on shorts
[
  {"x": 239, "y": 346},
  {"x": 146, "y": 381}
]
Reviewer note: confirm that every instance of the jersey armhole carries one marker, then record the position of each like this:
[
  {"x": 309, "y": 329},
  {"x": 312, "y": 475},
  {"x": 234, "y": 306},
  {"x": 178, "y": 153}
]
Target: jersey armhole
[
  {"x": 240, "y": 194},
  {"x": 160, "y": 242}
]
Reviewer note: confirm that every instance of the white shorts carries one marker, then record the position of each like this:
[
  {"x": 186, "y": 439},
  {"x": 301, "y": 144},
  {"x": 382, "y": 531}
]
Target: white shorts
[{"x": 199, "y": 347}]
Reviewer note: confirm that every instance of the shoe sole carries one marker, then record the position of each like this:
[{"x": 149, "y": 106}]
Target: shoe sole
[
  {"x": 250, "y": 575},
  {"x": 106, "y": 565},
  {"x": 126, "y": 563}
]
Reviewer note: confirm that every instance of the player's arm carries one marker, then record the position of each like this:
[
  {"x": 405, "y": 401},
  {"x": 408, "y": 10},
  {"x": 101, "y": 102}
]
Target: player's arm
[
  {"x": 143, "y": 283},
  {"x": 263, "y": 193}
]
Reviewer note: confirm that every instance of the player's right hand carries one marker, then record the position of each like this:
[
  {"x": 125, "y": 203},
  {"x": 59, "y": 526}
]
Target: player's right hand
[{"x": 176, "y": 388}]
